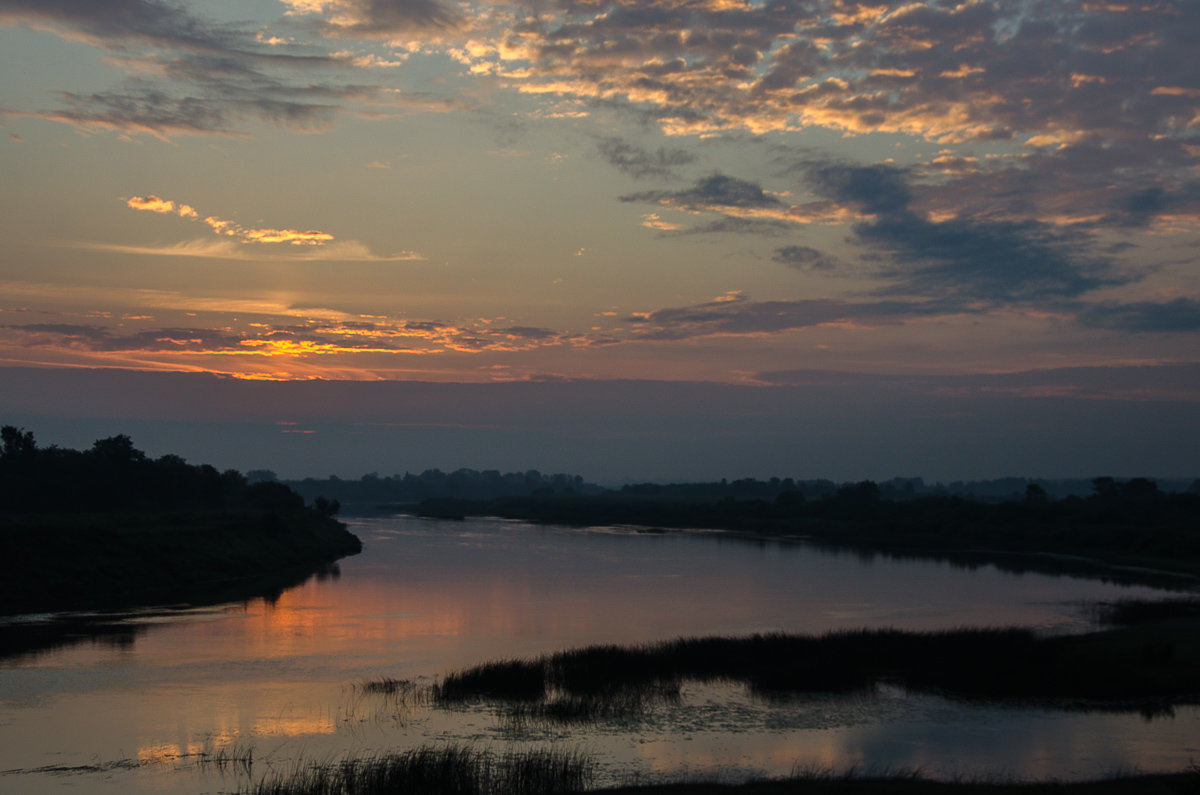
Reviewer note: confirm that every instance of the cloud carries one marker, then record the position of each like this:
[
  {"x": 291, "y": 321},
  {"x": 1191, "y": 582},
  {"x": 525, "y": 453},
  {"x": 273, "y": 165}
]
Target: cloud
[
  {"x": 96, "y": 338},
  {"x": 639, "y": 163},
  {"x": 804, "y": 258},
  {"x": 377, "y": 18},
  {"x": 736, "y": 315},
  {"x": 156, "y": 205},
  {"x": 189, "y": 75},
  {"x": 295, "y": 237},
  {"x": 962, "y": 257},
  {"x": 1179, "y": 315},
  {"x": 336, "y": 251},
  {"x": 107, "y": 22},
  {"x": 251, "y": 348},
  {"x": 714, "y": 193},
  {"x": 233, "y": 231}
]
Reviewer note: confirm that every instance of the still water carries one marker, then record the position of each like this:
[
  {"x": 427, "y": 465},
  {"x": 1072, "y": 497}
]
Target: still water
[{"x": 276, "y": 682}]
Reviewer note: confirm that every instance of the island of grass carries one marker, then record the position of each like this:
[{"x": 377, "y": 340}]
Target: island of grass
[
  {"x": 109, "y": 528},
  {"x": 1149, "y": 662}
]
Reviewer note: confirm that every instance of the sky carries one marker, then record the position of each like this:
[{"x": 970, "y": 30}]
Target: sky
[{"x": 636, "y": 240}]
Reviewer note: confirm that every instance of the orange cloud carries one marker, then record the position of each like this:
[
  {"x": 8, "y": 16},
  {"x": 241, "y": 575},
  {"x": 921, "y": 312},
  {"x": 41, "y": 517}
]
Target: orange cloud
[
  {"x": 221, "y": 226},
  {"x": 156, "y": 205}
]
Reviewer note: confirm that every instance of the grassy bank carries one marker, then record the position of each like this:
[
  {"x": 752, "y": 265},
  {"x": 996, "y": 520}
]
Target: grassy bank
[
  {"x": 79, "y": 561},
  {"x": 1148, "y": 667}
]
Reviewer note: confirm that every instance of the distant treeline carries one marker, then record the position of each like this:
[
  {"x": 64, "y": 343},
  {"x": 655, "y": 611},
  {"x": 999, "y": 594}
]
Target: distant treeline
[
  {"x": 113, "y": 475},
  {"x": 470, "y": 484},
  {"x": 409, "y": 488},
  {"x": 1122, "y": 521}
]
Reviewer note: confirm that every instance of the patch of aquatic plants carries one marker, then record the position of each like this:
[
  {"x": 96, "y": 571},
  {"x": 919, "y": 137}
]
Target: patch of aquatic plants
[
  {"x": 451, "y": 770},
  {"x": 1133, "y": 612},
  {"x": 401, "y": 689},
  {"x": 239, "y": 758},
  {"x": 1134, "y": 668},
  {"x": 510, "y": 680}
]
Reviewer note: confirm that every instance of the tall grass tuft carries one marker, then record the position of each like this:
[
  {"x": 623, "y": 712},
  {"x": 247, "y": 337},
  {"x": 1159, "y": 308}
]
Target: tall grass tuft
[
  {"x": 511, "y": 680},
  {"x": 438, "y": 771}
]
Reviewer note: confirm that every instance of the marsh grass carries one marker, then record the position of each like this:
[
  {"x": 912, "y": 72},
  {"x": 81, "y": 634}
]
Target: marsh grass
[
  {"x": 1148, "y": 668},
  {"x": 616, "y": 705},
  {"x": 508, "y": 680},
  {"x": 450, "y": 770},
  {"x": 236, "y": 758}
]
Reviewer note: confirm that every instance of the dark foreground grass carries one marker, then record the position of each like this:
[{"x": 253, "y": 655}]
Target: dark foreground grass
[
  {"x": 1187, "y": 783},
  {"x": 1149, "y": 667},
  {"x": 462, "y": 771},
  {"x": 436, "y": 771}
]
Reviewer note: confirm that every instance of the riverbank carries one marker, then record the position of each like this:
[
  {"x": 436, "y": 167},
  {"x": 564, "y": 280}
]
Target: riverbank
[
  {"x": 104, "y": 561},
  {"x": 1125, "y": 536}
]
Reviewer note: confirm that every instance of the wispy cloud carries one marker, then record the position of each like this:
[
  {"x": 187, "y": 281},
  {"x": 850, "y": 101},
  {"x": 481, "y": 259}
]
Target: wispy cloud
[
  {"x": 232, "y": 230},
  {"x": 639, "y": 162},
  {"x": 189, "y": 75}
]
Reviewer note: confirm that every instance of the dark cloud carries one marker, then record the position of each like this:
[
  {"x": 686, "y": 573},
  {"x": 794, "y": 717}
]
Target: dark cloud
[
  {"x": 876, "y": 189},
  {"x": 963, "y": 257},
  {"x": 214, "y": 77},
  {"x": 1102, "y": 95},
  {"x": 1180, "y": 315},
  {"x": 529, "y": 333},
  {"x": 711, "y": 193},
  {"x": 803, "y": 258},
  {"x": 1140, "y": 208},
  {"x": 160, "y": 113},
  {"x": 737, "y": 315},
  {"x": 117, "y": 23},
  {"x": 731, "y": 225},
  {"x": 97, "y": 338},
  {"x": 638, "y": 162}
]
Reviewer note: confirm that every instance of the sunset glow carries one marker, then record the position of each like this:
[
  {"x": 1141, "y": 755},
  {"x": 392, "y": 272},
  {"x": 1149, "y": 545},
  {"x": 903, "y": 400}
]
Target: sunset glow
[{"x": 633, "y": 190}]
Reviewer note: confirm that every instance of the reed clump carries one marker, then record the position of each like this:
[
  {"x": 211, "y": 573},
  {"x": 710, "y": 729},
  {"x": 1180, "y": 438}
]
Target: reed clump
[
  {"x": 509, "y": 680},
  {"x": 450, "y": 770}
]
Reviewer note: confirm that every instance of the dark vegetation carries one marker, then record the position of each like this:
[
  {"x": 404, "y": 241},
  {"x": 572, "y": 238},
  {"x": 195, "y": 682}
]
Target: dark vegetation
[
  {"x": 451, "y": 770},
  {"x": 1150, "y": 667},
  {"x": 373, "y": 492},
  {"x": 110, "y": 527},
  {"x": 458, "y": 771},
  {"x": 1125, "y": 523},
  {"x": 913, "y": 784}
]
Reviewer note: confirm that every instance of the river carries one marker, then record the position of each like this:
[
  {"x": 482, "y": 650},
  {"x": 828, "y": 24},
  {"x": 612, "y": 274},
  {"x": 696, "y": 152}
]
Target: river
[{"x": 271, "y": 684}]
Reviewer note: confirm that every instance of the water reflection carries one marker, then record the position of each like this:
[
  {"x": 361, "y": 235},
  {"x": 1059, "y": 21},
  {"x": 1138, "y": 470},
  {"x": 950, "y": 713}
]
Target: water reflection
[{"x": 425, "y": 597}]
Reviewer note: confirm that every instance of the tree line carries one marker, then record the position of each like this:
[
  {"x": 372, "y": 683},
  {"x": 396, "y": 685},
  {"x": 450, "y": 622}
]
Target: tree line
[{"x": 114, "y": 476}]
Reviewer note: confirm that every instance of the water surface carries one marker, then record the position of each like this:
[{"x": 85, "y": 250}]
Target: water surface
[{"x": 140, "y": 712}]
